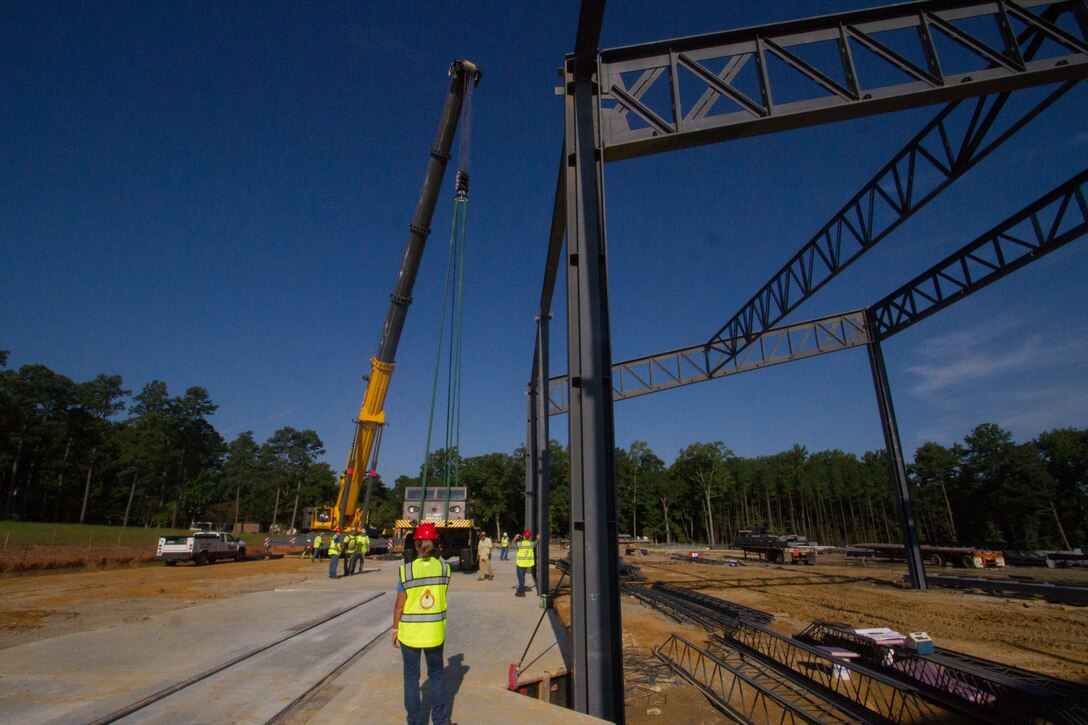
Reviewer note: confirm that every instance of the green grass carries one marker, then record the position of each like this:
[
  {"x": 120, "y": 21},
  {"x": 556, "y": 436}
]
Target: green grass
[{"x": 19, "y": 533}]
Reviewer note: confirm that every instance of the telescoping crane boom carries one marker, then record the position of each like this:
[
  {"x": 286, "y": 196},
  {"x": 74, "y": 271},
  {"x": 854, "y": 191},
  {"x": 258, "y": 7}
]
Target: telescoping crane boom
[{"x": 464, "y": 75}]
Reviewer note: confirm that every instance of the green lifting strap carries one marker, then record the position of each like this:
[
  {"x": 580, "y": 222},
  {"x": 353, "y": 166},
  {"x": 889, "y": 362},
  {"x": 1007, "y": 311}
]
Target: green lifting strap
[{"x": 452, "y": 304}]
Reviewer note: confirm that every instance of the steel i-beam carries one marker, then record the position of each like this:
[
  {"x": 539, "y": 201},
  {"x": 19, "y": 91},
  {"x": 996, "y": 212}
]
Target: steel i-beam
[
  {"x": 543, "y": 463},
  {"x": 595, "y": 604}
]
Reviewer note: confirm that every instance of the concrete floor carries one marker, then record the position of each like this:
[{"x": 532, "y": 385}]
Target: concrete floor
[{"x": 81, "y": 677}]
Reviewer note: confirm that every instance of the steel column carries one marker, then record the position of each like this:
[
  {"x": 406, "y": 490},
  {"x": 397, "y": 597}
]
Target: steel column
[
  {"x": 896, "y": 466},
  {"x": 595, "y": 604},
  {"x": 531, "y": 464},
  {"x": 543, "y": 486}
]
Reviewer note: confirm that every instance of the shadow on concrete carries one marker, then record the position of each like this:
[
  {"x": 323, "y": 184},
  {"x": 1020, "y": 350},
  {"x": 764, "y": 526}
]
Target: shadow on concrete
[{"x": 455, "y": 671}]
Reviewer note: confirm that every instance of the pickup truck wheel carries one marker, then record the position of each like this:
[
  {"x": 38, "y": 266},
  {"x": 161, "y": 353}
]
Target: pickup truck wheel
[
  {"x": 202, "y": 558},
  {"x": 935, "y": 560},
  {"x": 241, "y": 555},
  {"x": 170, "y": 562}
]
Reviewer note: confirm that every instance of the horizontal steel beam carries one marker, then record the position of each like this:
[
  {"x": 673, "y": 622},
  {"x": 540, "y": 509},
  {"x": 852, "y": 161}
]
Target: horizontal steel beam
[
  {"x": 675, "y": 94},
  {"x": 1047, "y": 224},
  {"x": 640, "y": 376}
]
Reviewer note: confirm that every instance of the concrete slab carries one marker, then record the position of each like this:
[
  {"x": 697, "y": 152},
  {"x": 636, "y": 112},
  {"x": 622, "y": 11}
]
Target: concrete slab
[
  {"x": 488, "y": 629},
  {"x": 79, "y": 678}
]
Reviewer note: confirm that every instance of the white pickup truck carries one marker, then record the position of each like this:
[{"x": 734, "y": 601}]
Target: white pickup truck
[{"x": 201, "y": 547}]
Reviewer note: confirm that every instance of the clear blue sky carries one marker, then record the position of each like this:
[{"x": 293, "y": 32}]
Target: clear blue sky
[{"x": 217, "y": 194}]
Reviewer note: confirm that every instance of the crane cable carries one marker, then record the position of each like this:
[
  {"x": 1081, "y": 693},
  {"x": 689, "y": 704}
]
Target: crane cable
[{"x": 453, "y": 303}]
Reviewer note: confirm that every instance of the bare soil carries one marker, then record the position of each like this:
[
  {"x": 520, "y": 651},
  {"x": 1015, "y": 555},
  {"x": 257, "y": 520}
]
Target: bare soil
[{"x": 1051, "y": 638}]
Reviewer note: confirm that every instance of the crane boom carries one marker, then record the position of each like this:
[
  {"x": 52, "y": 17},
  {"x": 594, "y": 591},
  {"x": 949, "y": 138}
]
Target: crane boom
[{"x": 372, "y": 412}]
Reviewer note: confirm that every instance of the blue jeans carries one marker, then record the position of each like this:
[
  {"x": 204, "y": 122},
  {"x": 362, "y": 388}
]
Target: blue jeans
[
  {"x": 334, "y": 559},
  {"x": 521, "y": 577},
  {"x": 357, "y": 562},
  {"x": 503, "y": 552},
  {"x": 436, "y": 674}
]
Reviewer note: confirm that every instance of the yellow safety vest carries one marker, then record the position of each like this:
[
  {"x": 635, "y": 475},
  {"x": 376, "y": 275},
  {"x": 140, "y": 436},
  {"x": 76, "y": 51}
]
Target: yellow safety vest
[
  {"x": 423, "y": 620},
  {"x": 350, "y": 541},
  {"x": 505, "y": 542},
  {"x": 526, "y": 554},
  {"x": 334, "y": 546},
  {"x": 317, "y": 542},
  {"x": 363, "y": 543}
]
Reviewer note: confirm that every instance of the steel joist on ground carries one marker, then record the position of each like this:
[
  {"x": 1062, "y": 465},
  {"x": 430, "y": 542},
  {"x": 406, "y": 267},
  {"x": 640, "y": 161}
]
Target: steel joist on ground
[
  {"x": 674, "y": 94},
  {"x": 984, "y": 690},
  {"x": 679, "y": 609},
  {"x": 1050, "y": 591},
  {"x": 883, "y": 695},
  {"x": 740, "y": 695},
  {"x": 737, "y": 611}
]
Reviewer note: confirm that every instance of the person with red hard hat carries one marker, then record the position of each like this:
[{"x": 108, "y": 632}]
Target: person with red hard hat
[
  {"x": 525, "y": 546},
  {"x": 419, "y": 624},
  {"x": 334, "y": 554}
]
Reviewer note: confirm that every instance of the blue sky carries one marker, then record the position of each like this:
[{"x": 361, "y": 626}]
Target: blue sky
[{"x": 218, "y": 195}]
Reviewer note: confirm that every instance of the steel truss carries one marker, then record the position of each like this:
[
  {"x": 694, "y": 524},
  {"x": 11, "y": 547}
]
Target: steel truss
[
  {"x": 1047, "y": 224},
  {"x": 1052, "y": 221},
  {"x": 644, "y": 375},
  {"x": 746, "y": 691},
  {"x": 685, "y": 92},
  {"x": 938, "y": 155},
  {"x": 883, "y": 695},
  {"x": 982, "y": 689},
  {"x": 1033, "y": 50}
]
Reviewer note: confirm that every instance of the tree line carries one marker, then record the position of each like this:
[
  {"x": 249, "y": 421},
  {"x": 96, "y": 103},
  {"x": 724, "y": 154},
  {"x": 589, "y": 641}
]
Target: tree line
[{"x": 94, "y": 452}]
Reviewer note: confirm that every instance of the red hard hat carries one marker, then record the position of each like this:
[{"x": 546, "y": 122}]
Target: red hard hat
[
  {"x": 338, "y": 529},
  {"x": 426, "y": 531},
  {"x": 527, "y": 534}
]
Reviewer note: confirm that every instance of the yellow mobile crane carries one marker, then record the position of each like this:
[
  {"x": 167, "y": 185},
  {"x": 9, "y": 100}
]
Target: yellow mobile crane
[{"x": 464, "y": 76}]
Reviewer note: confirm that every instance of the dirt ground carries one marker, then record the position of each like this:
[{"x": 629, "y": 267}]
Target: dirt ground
[{"x": 1046, "y": 637}]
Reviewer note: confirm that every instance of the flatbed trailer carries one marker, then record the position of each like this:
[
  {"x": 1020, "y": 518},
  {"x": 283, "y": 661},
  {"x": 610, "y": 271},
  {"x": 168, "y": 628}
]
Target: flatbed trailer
[
  {"x": 787, "y": 549},
  {"x": 960, "y": 556}
]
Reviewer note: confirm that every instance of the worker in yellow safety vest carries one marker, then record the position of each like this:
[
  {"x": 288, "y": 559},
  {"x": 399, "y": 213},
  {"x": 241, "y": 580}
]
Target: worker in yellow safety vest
[
  {"x": 362, "y": 546},
  {"x": 526, "y": 559},
  {"x": 334, "y": 554},
  {"x": 504, "y": 547},
  {"x": 419, "y": 624},
  {"x": 317, "y": 548},
  {"x": 349, "y": 551}
]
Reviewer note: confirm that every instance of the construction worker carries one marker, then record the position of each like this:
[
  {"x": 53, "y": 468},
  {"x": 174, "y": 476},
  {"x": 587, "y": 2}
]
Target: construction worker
[
  {"x": 362, "y": 546},
  {"x": 419, "y": 624},
  {"x": 504, "y": 547},
  {"x": 483, "y": 552},
  {"x": 526, "y": 559},
  {"x": 317, "y": 548},
  {"x": 349, "y": 551},
  {"x": 334, "y": 554}
]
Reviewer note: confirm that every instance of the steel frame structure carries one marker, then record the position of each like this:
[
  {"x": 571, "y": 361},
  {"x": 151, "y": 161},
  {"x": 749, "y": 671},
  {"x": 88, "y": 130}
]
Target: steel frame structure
[
  {"x": 600, "y": 111},
  {"x": 637, "y": 120},
  {"x": 734, "y": 690},
  {"x": 1047, "y": 224}
]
